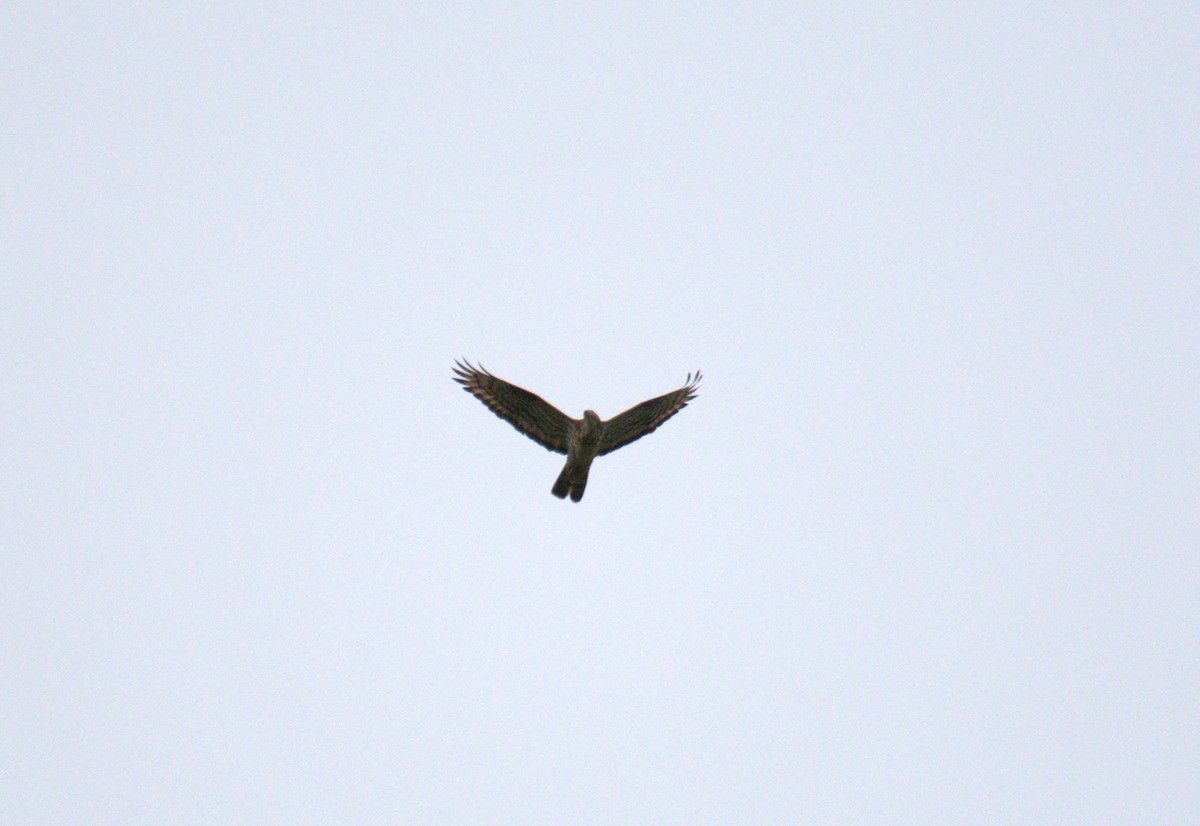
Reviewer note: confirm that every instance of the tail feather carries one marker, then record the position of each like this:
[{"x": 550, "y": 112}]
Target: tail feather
[
  {"x": 572, "y": 481},
  {"x": 561, "y": 485}
]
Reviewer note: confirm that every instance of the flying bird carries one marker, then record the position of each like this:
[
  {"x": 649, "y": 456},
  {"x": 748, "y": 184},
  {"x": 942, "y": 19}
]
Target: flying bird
[{"x": 581, "y": 439}]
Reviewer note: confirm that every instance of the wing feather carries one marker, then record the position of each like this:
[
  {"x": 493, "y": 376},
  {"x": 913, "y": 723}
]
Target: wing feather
[
  {"x": 646, "y": 417},
  {"x": 527, "y": 412}
]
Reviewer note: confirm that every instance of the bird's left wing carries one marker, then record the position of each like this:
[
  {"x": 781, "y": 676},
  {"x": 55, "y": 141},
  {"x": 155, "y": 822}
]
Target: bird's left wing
[
  {"x": 527, "y": 412},
  {"x": 645, "y": 418}
]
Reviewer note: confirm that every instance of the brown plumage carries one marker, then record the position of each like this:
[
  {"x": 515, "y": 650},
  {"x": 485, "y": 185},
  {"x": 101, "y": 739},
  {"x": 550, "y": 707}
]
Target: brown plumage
[{"x": 581, "y": 439}]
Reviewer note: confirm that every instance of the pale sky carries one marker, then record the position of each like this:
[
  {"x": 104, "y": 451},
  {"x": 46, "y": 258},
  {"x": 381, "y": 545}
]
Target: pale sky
[{"x": 923, "y": 550}]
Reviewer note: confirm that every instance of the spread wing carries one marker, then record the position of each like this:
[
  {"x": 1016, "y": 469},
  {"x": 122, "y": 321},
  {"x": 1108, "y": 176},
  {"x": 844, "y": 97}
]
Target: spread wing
[
  {"x": 528, "y": 413},
  {"x": 645, "y": 418}
]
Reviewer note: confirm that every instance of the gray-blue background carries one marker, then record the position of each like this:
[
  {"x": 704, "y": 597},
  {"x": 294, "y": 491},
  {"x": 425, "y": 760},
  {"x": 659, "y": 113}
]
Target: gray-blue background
[{"x": 924, "y": 550}]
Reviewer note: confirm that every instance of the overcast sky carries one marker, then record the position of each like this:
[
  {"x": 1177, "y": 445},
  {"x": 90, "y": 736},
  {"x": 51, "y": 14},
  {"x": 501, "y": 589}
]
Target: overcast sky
[{"x": 923, "y": 550}]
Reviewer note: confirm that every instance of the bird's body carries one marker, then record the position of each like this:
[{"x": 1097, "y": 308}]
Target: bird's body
[
  {"x": 583, "y": 443},
  {"x": 581, "y": 439}
]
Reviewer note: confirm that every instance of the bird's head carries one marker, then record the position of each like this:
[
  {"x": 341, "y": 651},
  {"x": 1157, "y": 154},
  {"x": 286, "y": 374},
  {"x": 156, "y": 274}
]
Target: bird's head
[{"x": 591, "y": 418}]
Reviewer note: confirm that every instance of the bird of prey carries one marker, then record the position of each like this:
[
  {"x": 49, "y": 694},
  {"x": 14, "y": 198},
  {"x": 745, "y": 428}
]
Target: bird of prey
[{"x": 581, "y": 439}]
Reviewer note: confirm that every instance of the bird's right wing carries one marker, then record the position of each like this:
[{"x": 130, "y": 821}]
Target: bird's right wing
[
  {"x": 645, "y": 418},
  {"x": 528, "y": 413}
]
